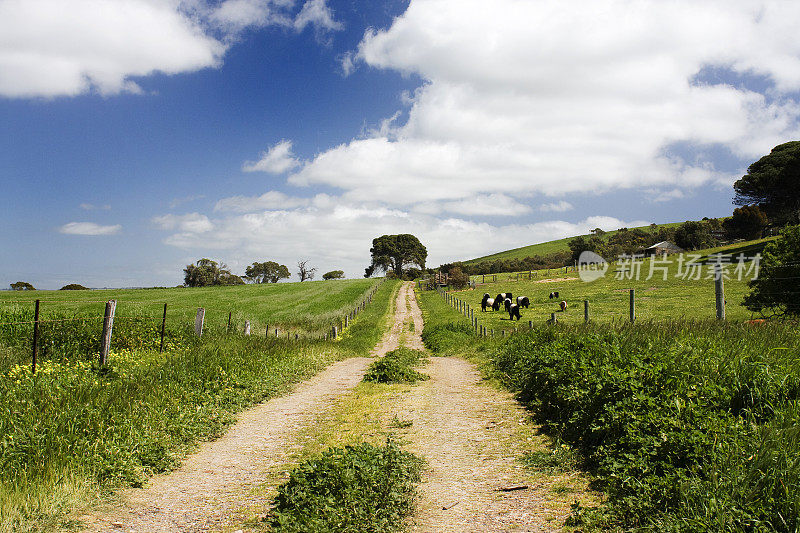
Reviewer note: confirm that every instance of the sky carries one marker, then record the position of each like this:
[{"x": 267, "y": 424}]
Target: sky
[{"x": 138, "y": 136}]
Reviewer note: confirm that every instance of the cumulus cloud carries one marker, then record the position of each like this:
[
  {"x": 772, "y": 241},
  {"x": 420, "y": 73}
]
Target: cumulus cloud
[
  {"x": 52, "y": 48},
  {"x": 556, "y": 207},
  {"x": 526, "y": 98},
  {"x": 491, "y": 205},
  {"x": 337, "y": 233},
  {"x": 88, "y": 228},
  {"x": 317, "y": 14},
  {"x": 276, "y": 160},
  {"x": 55, "y": 48},
  {"x": 268, "y": 200},
  {"x": 192, "y": 223}
]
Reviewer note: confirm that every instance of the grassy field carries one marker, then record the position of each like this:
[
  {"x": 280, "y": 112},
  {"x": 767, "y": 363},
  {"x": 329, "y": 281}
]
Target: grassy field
[
  {"x": 309, "y": 306},
  {"x": 546, "y": 248},
  {"x": 656, "y": 298},
  {"x": 686, "y": 425},
  {"x": 74, "y": 430}
]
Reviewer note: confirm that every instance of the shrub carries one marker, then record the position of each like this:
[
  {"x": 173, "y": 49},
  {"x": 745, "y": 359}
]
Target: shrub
[
  {"x": 686, "y": 430},
  {"x": 74, "y": 287},
  {"x": 362, "y": 488},
  {"x": 397, "y": 366}
]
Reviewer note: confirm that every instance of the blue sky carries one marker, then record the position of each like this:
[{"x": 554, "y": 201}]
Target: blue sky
[{"x": 141, "y": 135}]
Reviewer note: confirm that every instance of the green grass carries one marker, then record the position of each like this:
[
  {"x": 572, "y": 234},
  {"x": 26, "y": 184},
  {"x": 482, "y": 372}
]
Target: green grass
[
  {"x": 687, "y": 425},
  {"x": 546, "y": 248},
  {"x": 656, "y": 299},
  {"x": 309, "y": 306},
  {"x": 74, "y": 430}
]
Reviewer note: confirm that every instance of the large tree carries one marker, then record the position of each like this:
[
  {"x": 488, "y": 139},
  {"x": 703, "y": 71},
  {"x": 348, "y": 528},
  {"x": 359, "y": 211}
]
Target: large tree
[
  {"x": 747, "y": 222},
  {"x": 206, "y": 272},
  {"x": 394, "y": 252},
  {"x": 775, "y": 290},
  {"x": 268, "y": 272},
  {"x": 773, "y": 183},
  {"x": 22, "y": 286},
  {"x": 333, "y": 274}
]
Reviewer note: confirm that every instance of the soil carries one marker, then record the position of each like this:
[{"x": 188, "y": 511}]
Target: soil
[{"x": 471, "y": 435}]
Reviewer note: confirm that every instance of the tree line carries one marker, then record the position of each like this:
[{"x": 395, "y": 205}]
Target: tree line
[{"x": 206, "y": 273}]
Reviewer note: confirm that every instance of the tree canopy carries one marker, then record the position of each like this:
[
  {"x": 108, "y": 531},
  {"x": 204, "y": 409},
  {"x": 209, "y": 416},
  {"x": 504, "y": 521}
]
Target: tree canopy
[
  {"x": 394, "y": 252},
  {"x": 268, "y": 272},
  {"x": 775, "y": 290},
  {"x": 206, "y": 272},
  {"x": 747, "y": 222},
  {"x": 22, "y": 286},
  {"x": 773, "y": 183},
  {"x": 74, "y": 287},
  {"x": 333, "y": 274}
]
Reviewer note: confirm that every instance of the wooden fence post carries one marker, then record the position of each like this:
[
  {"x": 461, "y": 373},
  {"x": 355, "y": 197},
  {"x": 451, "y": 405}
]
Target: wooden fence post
[
  {"x": 553, "y": 318},
  {"x": 199, "y": 319},
  {"x": 346, "y": 320},
  {"x": 35, "y": 336},
  {"x": 108, "y": 326},
  {"x": 633, "y": 305},
  {"x": 586, "y": 310},
  {"x": 247, "y": 328},
  {"x": 163, "y": 327},
  {"x": 228, "y": 327},
  {"x": 719, "y": 292},
  {"x": 266, "y": 331},
  {"x": 333, "y": 333},
  {"x": 530, "y": 324}
]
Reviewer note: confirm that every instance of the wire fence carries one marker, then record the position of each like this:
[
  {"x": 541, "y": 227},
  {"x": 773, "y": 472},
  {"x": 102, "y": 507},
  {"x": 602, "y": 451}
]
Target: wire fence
[{"x": 58, "y": 328}]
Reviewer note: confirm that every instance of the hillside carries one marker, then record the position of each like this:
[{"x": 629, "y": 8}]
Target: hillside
[{"x": 546, "y": 248}]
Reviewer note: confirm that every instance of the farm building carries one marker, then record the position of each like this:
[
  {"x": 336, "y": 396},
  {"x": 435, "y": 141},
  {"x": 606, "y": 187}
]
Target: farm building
[{"x": 662, "y": 248}]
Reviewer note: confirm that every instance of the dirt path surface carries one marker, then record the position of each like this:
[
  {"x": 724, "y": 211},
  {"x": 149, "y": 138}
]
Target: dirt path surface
[
  {"x": 470, "y": 434},
  {"x": 218, "y": 480}
]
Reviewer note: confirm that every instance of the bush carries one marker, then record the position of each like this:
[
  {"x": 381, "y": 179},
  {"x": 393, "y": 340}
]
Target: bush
[
  {"x": 458, "y": 279},
  {"x": 397, "y": 366},
  {"x": 74, "y": 287},
  {"x": 362, "y": 488},
  {"x": 685, "y": 430}
]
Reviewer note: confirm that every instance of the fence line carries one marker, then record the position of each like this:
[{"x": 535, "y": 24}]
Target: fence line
[{"x": 109, "y": 317}]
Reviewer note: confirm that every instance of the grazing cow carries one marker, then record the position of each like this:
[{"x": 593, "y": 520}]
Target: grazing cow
[
  {"x": 563, "y": 305},
  {"x": 487, "y": 302},
  {"x": 523, "y": 301},
  {"x": 552, "y": 295},
  {"x": 507, "y": 303},
  {"x": 513, "y": 311},
  {"x": 555, "y": 294}
]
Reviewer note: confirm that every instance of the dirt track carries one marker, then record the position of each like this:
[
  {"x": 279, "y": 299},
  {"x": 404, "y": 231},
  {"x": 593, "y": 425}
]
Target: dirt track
[{"x": 469, "y": 433}]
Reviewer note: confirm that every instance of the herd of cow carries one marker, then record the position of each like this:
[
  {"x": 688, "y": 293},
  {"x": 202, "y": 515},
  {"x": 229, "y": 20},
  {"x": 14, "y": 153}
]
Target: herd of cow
[{"x": 512, "y": 308}]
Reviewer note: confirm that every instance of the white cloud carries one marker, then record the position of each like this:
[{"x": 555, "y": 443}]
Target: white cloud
[
  {"x": 318, "y": 14},
  {"x": 55, "y": 48},
  {"x": 51, "y": 48},
  {"x": 276, "y": 160},
  {"x": 88, "y": 228},
  {"x": 336, "y": 234},
  {"x": 192, "y": 223},
  {"x": 658, "y": 196},
  {"x": 541, "y": 97},
  {"x": 92, "y": 207},
  {"x": 268, "y": 200},
  {"x": 556, "y": 207},
  {"x": 491, "y": 205}
]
